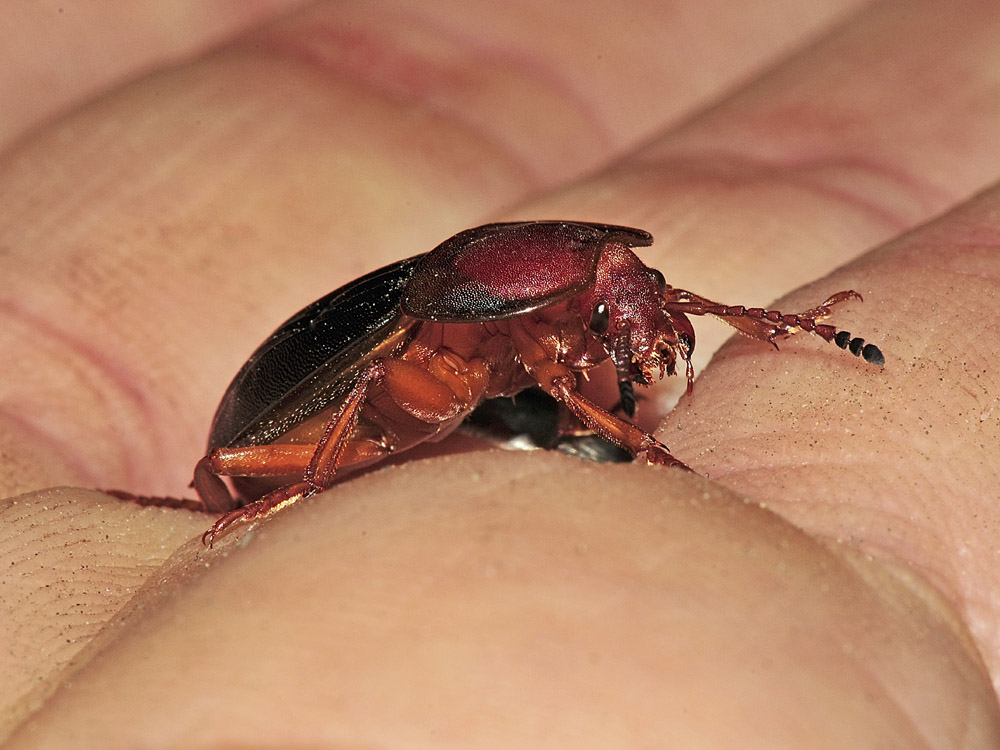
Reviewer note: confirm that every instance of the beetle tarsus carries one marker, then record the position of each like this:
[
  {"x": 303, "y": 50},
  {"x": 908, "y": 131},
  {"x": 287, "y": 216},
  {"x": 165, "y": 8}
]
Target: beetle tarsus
[{"x": 268, "y": 505}]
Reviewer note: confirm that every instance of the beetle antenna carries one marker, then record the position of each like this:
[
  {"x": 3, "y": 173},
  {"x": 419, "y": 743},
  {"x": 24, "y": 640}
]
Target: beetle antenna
[
  {"x": 622, "y": 357},
  {"x": 857, "y": 346},
  {"x": 627, "y": 393}
]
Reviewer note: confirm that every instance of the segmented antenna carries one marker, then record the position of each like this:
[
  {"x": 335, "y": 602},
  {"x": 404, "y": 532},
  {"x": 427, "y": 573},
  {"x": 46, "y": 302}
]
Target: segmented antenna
[
  {"x": 627, "y": 393},
  {"x": 857, "y": 346}
]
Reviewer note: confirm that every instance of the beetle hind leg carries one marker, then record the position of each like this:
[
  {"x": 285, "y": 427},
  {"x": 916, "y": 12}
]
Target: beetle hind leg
[
  {"x": 211, "y": 489},
  {"x": 316, "y": 464},
  {"x": 268, "y": 505}
]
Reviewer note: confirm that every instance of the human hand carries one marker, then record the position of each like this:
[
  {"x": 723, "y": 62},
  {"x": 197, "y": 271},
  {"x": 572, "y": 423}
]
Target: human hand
[{"x": 158, "y": 235}]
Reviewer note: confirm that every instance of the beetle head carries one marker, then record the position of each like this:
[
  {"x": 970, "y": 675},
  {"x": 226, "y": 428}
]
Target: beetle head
[{"x": 626, "y": 314}]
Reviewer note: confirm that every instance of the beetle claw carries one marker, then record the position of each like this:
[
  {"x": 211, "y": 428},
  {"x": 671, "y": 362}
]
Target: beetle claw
[{"x": 657, "y": 453}]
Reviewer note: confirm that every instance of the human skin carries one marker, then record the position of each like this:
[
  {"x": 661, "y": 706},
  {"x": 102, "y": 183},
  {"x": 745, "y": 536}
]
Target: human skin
[{"x": 824, "y": 581}]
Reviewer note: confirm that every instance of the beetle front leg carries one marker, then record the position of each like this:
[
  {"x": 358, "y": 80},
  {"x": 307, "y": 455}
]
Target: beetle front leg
[
  {"x": 563, "y": 387},
  {"x": 561, "y": 383}
]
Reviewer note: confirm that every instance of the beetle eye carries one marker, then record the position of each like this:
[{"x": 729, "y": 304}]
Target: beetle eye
[
  {"x": 661, "y": 282},
  {"x": 600, "y": 319}
]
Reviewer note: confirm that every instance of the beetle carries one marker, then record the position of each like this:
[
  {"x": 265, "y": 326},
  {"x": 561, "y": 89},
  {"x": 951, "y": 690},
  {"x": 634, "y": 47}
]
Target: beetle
[{"x": 405, "y": 353}]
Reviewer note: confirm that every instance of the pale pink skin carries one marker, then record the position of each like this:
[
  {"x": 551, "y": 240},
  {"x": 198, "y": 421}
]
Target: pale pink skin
[{"x": 153, "y": 234}]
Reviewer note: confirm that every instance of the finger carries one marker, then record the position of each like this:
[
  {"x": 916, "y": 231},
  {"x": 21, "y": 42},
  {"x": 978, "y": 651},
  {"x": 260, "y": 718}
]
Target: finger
[
  {"x": 75, "y": 559},
  {"x": 900, "y": 460},
  {"x": 557, "y": 594},
  {"x": 36, "y": 81},
  {"x": 599, "y": 92}
]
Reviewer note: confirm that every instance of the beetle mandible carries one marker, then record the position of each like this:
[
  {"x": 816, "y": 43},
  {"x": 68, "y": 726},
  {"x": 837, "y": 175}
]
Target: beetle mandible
[{"x": 403, "y": 354}]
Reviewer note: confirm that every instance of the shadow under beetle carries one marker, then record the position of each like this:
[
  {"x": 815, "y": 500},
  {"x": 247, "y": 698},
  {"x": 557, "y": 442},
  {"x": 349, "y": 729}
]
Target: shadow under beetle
[{"x": 405, "y": 353}]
